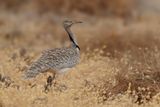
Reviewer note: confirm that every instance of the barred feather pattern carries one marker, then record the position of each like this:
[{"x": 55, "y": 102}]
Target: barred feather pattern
[{"x": 56, "y": 59}]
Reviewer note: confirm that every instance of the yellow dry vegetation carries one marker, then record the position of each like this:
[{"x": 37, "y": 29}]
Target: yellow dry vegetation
[{"x": 120, "y": 57}]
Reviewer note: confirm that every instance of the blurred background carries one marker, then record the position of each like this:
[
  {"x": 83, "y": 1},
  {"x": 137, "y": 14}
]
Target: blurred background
[
  {"x": 117, "y": 24},
  {"x": 120, "y": 52}
]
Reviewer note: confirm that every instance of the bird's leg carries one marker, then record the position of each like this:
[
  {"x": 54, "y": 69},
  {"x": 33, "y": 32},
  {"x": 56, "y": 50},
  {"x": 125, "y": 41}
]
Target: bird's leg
[
  {"x": 49, "y": 82},
  {"x": 54, "y": 76},
  {"x": 51, "y": 78}
]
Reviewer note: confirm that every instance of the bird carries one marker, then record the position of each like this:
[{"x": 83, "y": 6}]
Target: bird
[{"x": 57, "y": 59}]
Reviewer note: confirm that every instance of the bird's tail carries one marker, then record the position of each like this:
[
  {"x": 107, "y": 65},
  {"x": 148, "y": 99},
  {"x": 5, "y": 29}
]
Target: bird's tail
[{"x": 34, "y": 70}]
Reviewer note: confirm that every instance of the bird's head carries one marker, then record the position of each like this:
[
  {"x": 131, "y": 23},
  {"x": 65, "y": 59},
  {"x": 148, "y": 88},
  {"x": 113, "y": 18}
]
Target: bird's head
[{"x": 69, "y": 23}]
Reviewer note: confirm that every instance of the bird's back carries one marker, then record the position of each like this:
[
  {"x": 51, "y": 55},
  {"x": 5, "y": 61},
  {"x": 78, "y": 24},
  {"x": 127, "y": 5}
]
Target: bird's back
[
  {"x": 60, "y": 58},
  {"x": 56, "y": 59}
]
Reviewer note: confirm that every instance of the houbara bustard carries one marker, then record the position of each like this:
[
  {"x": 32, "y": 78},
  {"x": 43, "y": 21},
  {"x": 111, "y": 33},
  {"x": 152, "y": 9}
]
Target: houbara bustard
[{"x": 58, "y": 59}]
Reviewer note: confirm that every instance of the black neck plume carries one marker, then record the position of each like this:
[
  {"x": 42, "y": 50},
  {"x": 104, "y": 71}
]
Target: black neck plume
[{"x": 72, "y": 38}]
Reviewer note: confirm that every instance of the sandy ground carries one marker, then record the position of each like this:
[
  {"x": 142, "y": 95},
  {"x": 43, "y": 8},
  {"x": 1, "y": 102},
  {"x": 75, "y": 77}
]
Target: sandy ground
[{"x": 119, "y": 64}]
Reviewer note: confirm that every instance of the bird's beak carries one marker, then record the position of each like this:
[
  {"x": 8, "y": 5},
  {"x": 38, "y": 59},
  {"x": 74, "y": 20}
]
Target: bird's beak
[{"x": 77, "y": 22}]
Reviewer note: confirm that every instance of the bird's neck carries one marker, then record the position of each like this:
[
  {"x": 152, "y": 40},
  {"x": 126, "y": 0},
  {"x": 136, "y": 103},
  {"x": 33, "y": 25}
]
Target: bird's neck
[{"x": 72, "y": 38}]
